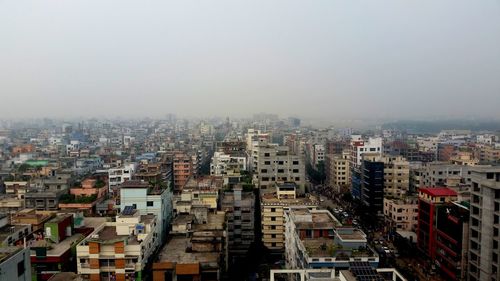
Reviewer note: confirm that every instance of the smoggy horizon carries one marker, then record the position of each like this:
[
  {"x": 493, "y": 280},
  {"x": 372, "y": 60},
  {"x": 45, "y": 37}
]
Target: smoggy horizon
[{"x": 314, "y": 60}]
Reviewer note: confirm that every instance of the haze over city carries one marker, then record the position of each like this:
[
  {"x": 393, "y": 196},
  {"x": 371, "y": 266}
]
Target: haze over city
[
  {"x": 255, "y": 140},
  {"x": 314, "y": 59}
]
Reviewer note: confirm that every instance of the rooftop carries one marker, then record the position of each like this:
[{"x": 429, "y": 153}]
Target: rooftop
[
  {"x": 317, "y": 220},
  {"x": 59, "y": 218},
  {"x": 108, "y": 235},
  {"x": 183, "y": 219},
  {"x": 214, "y": 222},
  {"x": 56, "y": 249},
  {"x": 326, "y": 247},
  {"x": 134, "y": 184},
  {"x": 207, "y": 182},
  {"x": 176, "y": 251},
  {"x": 350, "y": 234},
  {"x": 438, "y": 191},
  {"x": 7, "y": 252}
]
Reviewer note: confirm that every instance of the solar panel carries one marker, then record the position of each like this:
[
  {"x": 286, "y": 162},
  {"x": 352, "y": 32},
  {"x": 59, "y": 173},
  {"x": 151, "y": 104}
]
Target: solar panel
[
  {"x": 363, "y": 271},
  {"x": 128, "y": 210}
]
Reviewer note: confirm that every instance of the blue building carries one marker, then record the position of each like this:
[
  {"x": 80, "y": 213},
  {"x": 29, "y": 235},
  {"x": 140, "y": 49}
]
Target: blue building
[{"x": 148, "y": 200}]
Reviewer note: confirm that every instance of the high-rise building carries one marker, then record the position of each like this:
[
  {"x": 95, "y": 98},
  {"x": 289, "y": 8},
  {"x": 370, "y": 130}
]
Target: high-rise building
[
  {"x": 396, "y": 175},
  {"x": 372, "y": 186},
  {"x": 360, "y": 147},
  {"x": 239, "y": 206},
  {"x": 484, "y": 235},
  {"x": 429, "y": 200},
  {"x": 274, "y": 164},
  {"x": 338, "y": 174},
  {"x": 182, "y": 170},
  {"x": 452, "y": 240}
]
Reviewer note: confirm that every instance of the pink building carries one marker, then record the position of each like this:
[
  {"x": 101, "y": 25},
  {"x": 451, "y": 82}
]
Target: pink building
[{"x": 86, "y": 197}]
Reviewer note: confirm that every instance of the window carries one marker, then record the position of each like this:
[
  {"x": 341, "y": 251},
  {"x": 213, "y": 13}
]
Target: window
[
  {"x": 20, "y": 268},
  {"x": 134, "y": 206},
  {"x": 150, "y": 203}
]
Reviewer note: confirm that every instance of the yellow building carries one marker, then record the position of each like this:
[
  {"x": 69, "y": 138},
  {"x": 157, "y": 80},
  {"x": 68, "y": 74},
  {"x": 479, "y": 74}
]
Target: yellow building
[
  {"x": 464, "y": 158},
  {"x": 273, "y": 206},
  {"x": 338, "y": 171},
  {"x": 396, "y": 175}
]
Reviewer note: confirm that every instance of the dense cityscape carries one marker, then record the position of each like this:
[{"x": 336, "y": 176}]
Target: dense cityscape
[
  {"x": 262, "y": 198},
  {"x": 231, "y": 140}
]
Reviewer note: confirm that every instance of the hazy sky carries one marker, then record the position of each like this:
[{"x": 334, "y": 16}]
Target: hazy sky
[{"x": 318, "y": 59}]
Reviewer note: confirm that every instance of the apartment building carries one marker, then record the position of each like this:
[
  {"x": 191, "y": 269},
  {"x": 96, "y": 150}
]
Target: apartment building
[
  {"x": 273, "y": 207},
  {"x": 396, "y": 175},
  {"x": 117, "y": 176},
  {"x": 484, "y": 235},
  {"x": 228, "y": 166},
  {"x": 182, "y": 170},
  {"x": 452, "y": 240},
  {"x": 489, "y": 154},
  {"x": 429, "y": 201},
  {"x": 372, "y": 185},
  {"x": 360, "y": 147},
  {"x": 445, "y": 151},
  {"x": 318, "y": 154},
  {"x": 44, "y": 193},
  {"x": 148, "y": 200},
  {"x": 316, "y": 239},
  {"x": 457, "y": 177},
  {"x": 119, "y": 250},
  {"x": 202, "y": 191},
  {"x": 273, "y": 164},
  {"x": 338, "y": 172},
  {"x": 401, "y": 213},
  {"x": 239, "y": 207},
  {"x": 464, "y": 158}
]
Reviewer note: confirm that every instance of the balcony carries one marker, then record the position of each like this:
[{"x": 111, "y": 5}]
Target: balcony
[{"x": 130, "y": 266}]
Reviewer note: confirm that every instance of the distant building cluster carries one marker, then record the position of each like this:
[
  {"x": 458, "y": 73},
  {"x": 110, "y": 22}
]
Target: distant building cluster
[{"x": 260, "y": 199}]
